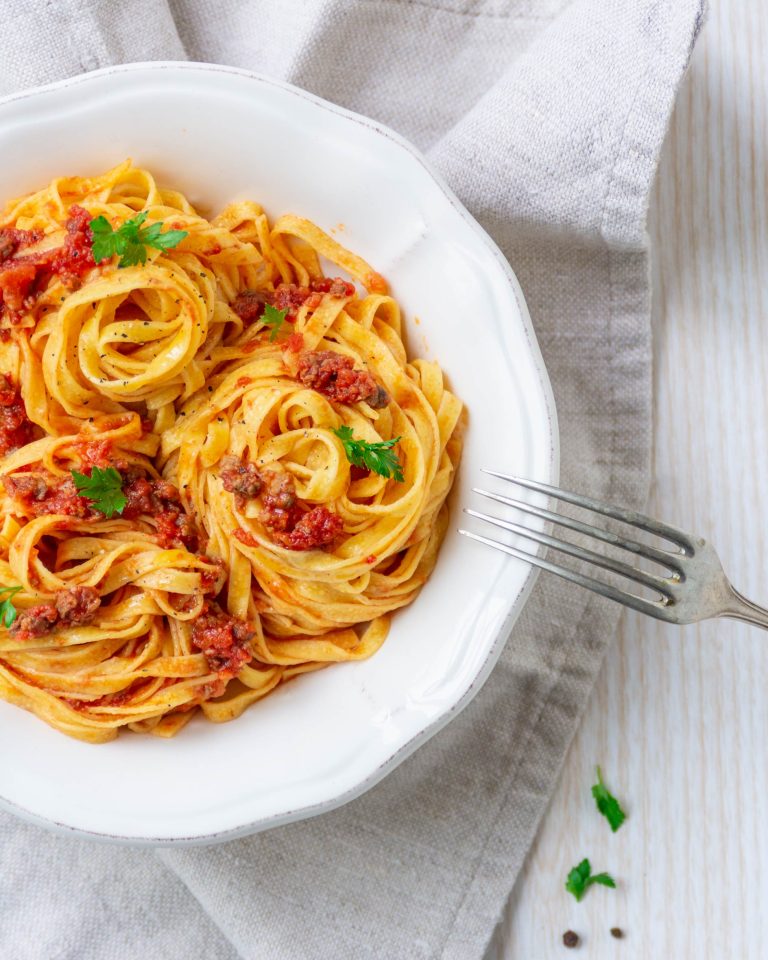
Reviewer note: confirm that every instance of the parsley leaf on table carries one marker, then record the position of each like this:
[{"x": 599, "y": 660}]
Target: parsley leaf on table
[
  {"x": 377, "y": 457},
  {"x": 274, "y": 319},
  {"x": 607, "y": 804},
  {"x": 104, "y": 488},
  {"x": 580, "y": 878},
  {"x": 8, "y": 612},
  {"x": 130, "y": 240}
]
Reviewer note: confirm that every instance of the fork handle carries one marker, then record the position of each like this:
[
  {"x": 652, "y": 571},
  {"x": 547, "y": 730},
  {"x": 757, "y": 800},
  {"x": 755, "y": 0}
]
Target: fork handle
[{"x": 746, "y": 610}]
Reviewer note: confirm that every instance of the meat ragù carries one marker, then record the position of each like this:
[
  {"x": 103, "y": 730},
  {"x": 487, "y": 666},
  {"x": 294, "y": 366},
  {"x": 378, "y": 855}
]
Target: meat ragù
[{"x": 334, "y": 375}]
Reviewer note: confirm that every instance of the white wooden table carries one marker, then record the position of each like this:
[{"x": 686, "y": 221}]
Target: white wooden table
[{"x": 679, "y": 717}]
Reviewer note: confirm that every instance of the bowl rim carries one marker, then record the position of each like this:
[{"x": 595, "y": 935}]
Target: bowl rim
[{"x": 404, "y": 750}]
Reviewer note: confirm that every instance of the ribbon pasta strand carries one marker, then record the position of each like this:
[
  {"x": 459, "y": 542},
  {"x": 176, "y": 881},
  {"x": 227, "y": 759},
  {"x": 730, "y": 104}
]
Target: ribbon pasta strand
[{"x": 213, "y": 385}]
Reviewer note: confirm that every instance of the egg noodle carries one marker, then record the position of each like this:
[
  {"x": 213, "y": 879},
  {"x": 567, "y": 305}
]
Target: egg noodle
[{"x": 213, "y": 380}]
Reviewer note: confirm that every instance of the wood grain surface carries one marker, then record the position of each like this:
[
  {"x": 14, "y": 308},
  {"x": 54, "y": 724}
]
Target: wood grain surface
[{"x": 679, "y": 717}]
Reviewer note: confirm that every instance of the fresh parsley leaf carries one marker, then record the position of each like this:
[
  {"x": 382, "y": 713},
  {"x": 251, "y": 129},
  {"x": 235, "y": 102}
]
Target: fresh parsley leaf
[
  {"x": 605, "y": 879},
  {"x": 576, "y": 882},
  {"x": 377, "y": 457},
  {"x": 8, "y": 612},
  {"x": 607, "y": 804},
  {"x": 104, "y": 488},
  {"x": 580, "y": 878},
  {"x": 273, "y": 318},
  {"x": 130, "y": 240},
  {"x": 154, "y": 237},
  {"x": 105, "y": 241}
]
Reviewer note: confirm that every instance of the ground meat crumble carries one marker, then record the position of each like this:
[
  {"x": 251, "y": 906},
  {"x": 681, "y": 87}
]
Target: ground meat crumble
[
  {"x": 23, "y": 274},
  {"x": 241, "y": 478},
  {"x": 290, "y": 297},
  {"x": 72, "y": 607},
  {"x": 290, "y": 525},
  {"x": 160, "y": 500},
  {"x": 319, "y": 527},
  {"x": 333, "y": 374},
  {"x": 40, "y": 496},
  {"x": 223, "y": 639},
  {"x": 281, "y": 511},
  {"x": 15, "y": 426}
]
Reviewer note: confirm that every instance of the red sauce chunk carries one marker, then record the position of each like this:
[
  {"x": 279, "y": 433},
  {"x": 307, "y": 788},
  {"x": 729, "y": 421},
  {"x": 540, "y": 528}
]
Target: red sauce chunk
[
  {"x": 290, "y": 297},
  {"x": 16, "y": 280},
  {"x": 29, "y": 488},
  {"x": 336, "y": 287},
  {"x": 72, "y": 607},
  {"x": 39, "y": 497},
  {"x": 63, "y": 498},
  {"x": 210, "y": 579},
  {"x": 15, "y": 427},
  {"x": 333, "y": 374},
  {"x": 241, "y": 478},
  {"x": 317, "y": 528},
  {"x": 281, "y": 511},
  {"x": 77, "y": 605},
  {"x": 245, "y": 537},
  {"x": 35, "y": 622},
  {"x": 160, "y": 500},
  {"x": 95, "y": 453},
  {"x": 249, "y": 305},
  {"x": 20, "y": 275},
  {"x": 11, "y": 239},
  {"x": 140, "y": 496},
  {"x": 294, "y": 343},
  {"x": 176, "y": 529},
  {"x": 223, "y": 639},
  {"x": 75, "y": 257}
]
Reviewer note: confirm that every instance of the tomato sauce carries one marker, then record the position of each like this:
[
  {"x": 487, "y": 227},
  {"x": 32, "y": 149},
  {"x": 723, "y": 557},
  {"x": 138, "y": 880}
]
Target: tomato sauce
[
  {"x": 73, "y": 607},
  {"x": 289, "y": 297},
  {"x": 319, "y": 527},
  {"x": 333, "y": 374},
  {"x": 225, "y": 640},
  {"x": 15, "y": 426},
  {"x": 40, "y": 496},
  {"x": 245, "y": 537},
  {"x": 22, "y": 275},
  {"x": 242, "y": 478}
]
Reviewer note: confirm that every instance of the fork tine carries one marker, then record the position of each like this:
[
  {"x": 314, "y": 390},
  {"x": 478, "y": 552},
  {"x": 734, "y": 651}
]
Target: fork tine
[
  {"x": 651, "y": 607},
  {"x": 663, "y": 557},
  {"x": 580, "y": 553},
  {"x": 664, "y": 530}
]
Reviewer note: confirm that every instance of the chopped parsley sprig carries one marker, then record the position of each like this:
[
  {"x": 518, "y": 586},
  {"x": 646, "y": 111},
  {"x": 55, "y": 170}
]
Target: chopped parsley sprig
[
  {"x": 104, "y": 488},
  {"x": 274, "y": 319},
  {"x": 580, "y": 879},
  {"x": 376, "y": 457},
  {"x": 130, "y": 240},
  {"x": 8, "y": 612},
  {"x": 607, "y": 804}
]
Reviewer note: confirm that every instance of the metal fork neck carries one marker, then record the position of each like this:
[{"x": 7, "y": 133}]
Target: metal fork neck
[{"x": 739, "y": 608}]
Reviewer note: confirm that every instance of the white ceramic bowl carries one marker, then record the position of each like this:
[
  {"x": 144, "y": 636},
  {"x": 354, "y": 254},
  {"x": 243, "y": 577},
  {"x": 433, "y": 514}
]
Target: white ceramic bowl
[{"x": 218, "y": 134}]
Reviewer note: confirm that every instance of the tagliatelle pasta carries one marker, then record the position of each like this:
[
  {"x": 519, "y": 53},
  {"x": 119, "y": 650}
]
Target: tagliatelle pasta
[{"x": 218, "y": 467}]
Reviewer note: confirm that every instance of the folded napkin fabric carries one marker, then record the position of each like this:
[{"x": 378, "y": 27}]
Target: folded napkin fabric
[{"x": 546, "y": 117}]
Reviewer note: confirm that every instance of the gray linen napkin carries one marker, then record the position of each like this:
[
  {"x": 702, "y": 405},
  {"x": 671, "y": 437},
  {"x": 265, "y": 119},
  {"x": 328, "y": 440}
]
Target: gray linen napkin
[{"x": 546, "y": 117}]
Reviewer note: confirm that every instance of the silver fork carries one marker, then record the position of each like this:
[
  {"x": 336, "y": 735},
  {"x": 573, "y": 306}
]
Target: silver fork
[{"x": 695, "y": 588}]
